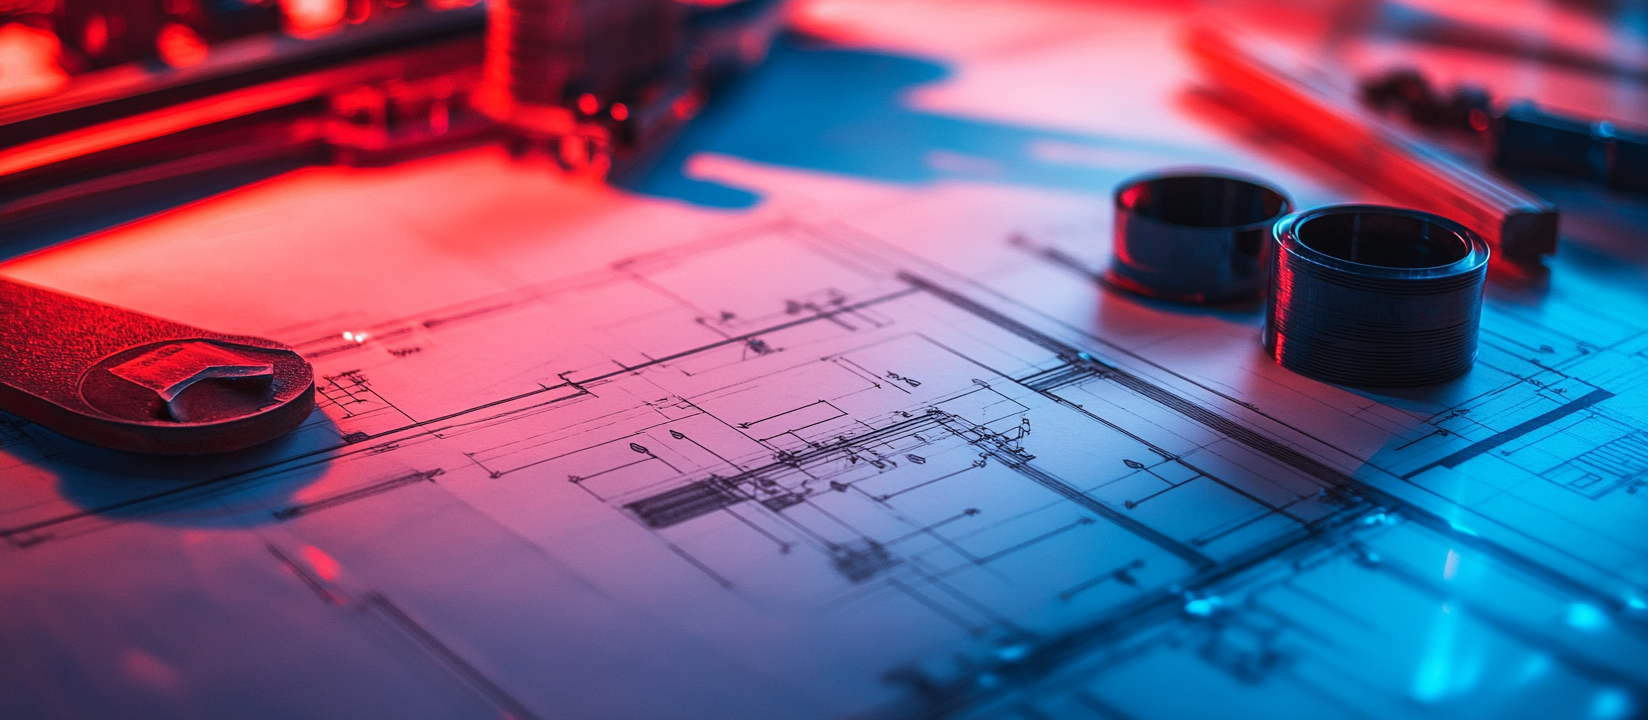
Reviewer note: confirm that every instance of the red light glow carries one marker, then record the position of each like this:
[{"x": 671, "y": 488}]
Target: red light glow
[
  {"x": 323, "y": 564},
  {"x": 685, "y": 106},
  {"x": 359, "y": 11},
  {"x": 154, "y": 124},
  {"x": 180, "y": 46},
  {"x": 28, "y": 63},
  {"x": 94, "y": 36},
  {"x": 1479, "y": 120},
  {"x": 307, "y": 17}
]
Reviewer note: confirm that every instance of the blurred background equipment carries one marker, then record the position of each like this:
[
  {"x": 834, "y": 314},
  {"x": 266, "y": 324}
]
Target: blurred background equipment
[
  {"x": 598, "y": 82},
  {"x": 1263, "y": 83},
  {"x": 569, "y": 73},
  {"x": 1520, "y": 135},
  {"x": 107, "y": 97}
]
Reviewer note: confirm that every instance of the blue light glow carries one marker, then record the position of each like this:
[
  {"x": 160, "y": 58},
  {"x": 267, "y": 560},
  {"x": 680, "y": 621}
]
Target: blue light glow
[
  {"x": 1534, "y": 667},
  {"x": 1434, "y": 677},
  {"x": 1203, "y": 607},
  {"x": 1612, "y": 704},
  {"x": 1586, "y": 617}
]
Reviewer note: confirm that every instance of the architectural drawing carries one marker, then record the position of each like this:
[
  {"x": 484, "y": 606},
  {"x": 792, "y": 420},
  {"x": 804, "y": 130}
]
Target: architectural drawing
[{"x": 854, "y": 440}]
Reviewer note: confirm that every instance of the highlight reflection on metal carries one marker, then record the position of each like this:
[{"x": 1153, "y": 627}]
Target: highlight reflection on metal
[
  {"x": 127, "y": 381},
  {"x": 1193, "y": 237},
  {"x": 1375, "y": 296}
]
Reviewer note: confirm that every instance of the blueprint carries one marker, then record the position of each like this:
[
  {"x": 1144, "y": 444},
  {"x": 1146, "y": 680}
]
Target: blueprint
[{"x": 780, "y": 432}]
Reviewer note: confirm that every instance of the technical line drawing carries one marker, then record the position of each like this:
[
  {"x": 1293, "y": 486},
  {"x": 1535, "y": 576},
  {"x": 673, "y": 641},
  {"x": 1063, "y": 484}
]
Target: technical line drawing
[{"x": 1032, "y": 516}]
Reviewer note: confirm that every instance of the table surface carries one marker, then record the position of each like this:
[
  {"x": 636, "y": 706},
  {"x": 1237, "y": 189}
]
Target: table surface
[{"x": 826, "y": 416}]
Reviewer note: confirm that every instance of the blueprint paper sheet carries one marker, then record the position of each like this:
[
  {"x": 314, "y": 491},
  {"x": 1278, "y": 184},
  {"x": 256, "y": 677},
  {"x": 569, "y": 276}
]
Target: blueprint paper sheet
[{"x": 827, "y": 418}]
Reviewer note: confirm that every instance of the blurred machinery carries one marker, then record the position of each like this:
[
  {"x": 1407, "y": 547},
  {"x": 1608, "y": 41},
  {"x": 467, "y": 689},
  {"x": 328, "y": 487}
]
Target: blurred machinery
[
  {"x": 598, "y": 82},
  {"x": 101, "y": 97},
  {"x": 1519, "y": 134},
  {"x": 1276, "y": 90}
]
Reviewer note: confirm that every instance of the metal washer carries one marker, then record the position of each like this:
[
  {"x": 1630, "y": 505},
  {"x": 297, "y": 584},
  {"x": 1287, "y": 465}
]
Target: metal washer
[
  {"x": 1373, "y": 296},
  {"x": 1195, "y": 237}
]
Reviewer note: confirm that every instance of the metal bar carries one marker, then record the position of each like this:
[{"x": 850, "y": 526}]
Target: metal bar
[{"x": 1519, "y": 225}]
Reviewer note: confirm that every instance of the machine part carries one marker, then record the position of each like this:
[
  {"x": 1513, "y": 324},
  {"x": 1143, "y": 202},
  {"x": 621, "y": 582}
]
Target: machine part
[
  {"x": 1519, "y": 225},
  {"x": 730, "y": 37},
  {"x": 1405, "y": 91},
  {"x": 1527, "y": 137},
  {"x": 587, "y": 81},
  {"x": 601, "y": 91},
  {"x": 382, "y": 123},
  {"x": 1372, "y": 296},
  {"x": 1523, "y": 137},
  {"x": 115, "y": 378},
  {"x": 1196, "y": 238},
  {"x": 370, "y": 110},
  {"x": 599, "y": 86}
]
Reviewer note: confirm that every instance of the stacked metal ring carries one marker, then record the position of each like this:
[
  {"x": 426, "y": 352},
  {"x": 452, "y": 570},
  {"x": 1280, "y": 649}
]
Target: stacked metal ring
[
  {"x": 1374, "y": 296},
  {"x": 1193, "y": 237}
]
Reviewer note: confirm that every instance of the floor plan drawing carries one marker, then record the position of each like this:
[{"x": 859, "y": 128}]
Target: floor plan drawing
[{"x": 863, "y": 439}]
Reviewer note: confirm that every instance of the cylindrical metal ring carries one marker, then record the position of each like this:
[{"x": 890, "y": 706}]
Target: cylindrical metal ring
[
  {"x": 1195, "y": 238},
  {"x": 1374, "y": 296}
]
